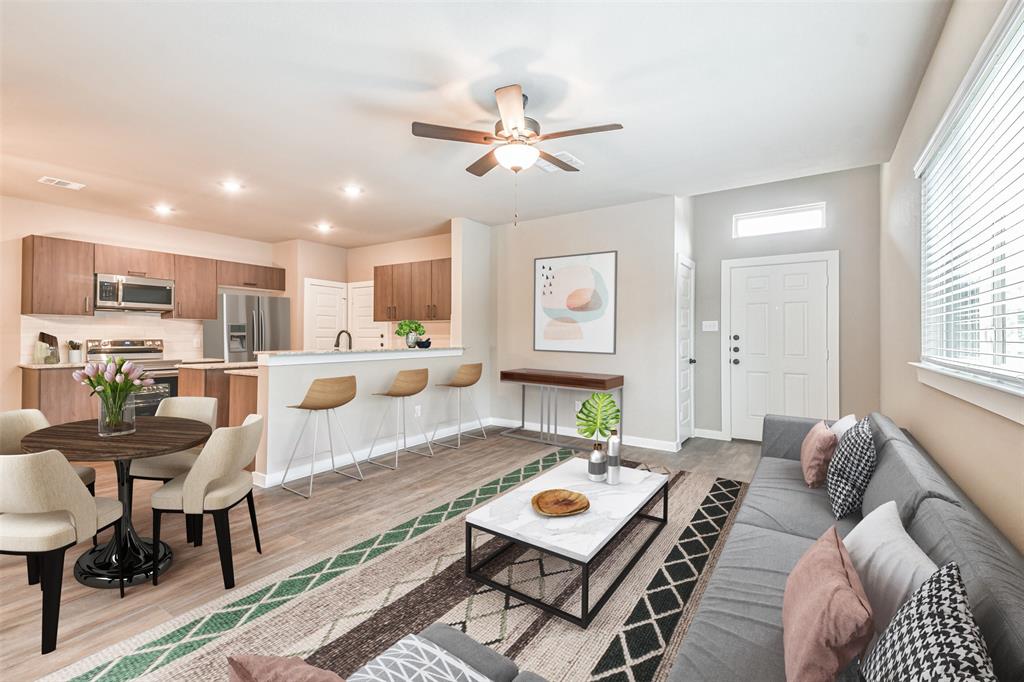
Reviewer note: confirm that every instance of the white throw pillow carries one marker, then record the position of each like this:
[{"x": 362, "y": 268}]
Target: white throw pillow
[
  {"x": 843, "y": 425},
  {"x": 889, "y": 563}
]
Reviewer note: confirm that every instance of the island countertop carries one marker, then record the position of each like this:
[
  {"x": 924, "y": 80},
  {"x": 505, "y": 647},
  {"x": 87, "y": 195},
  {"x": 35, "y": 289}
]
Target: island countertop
[{"x": 321, "y": 357}]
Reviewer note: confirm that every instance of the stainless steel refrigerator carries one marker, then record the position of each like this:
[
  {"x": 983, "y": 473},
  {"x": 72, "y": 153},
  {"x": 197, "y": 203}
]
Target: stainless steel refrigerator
[{"x": 246, "y": 325}]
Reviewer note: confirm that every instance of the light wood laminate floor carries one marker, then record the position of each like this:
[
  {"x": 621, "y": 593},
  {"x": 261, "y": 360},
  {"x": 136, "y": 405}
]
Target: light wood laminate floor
[{"x": 342, "y": 511}]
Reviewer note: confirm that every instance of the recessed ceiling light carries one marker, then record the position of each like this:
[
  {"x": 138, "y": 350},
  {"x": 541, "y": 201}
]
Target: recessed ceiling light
[
  {"x": 163, "y": 210},
  {"x": 323, "y": 227},
  {"x": 352, "y": 191},
  {"x": 231, "y": 186}
]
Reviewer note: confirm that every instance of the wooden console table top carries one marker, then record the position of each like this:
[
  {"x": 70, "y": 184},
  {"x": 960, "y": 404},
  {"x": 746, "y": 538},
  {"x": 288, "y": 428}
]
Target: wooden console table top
[{"x": 554, "y": 377}]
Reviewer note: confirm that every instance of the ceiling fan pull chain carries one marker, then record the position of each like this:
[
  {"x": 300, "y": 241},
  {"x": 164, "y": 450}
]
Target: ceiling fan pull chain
[{"x": 515, "y": 205}]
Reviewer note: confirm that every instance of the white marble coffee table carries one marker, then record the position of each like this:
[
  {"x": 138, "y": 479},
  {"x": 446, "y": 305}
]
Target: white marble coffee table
[{"x": 577, "y": 539}]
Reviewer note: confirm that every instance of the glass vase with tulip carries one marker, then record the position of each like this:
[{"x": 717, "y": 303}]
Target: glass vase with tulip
[{"x": 115, "y": 382}]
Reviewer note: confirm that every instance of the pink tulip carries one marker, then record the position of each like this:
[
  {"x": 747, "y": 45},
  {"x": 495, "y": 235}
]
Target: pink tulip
[
  {"x": 111, "y": 368},
  {"x": 78, "y": 375},
  {"x": 135, "y": 373},
  {"x": 109, "y": 376},
  {"x": 137, "y": 382},
  {"x": 148, "y": 382},
  {"x": 99, "y": 388},
  {"x": 91, "y": 370},
  {"x": 127, "y": 367},
  {"x": 119, "y": 378}
]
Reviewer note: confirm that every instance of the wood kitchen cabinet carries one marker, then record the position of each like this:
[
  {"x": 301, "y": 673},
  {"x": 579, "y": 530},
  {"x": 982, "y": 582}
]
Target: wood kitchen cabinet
[
  {"x": 195, "y": 288},
  {"x": 57, "y": 395},
  {"x": 383, "y": 293},
  {"x": 441, "y": 289},
  {"x": 421, "y": 290},
  {"x": 250, "y": 276},
  {"x": 56, "y": 276},
  {"x": 117, "y": 260}
]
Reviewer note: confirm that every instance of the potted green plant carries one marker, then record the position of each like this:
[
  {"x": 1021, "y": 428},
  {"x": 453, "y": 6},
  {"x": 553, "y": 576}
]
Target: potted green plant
[
  {"x": 74, "y": 352},
  {"x": 412, "y": 330},
  {"x": 598, "y": 415}
]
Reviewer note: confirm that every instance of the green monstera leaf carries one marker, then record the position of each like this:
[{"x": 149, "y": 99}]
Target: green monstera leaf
[{"x": 599, "y": 415}]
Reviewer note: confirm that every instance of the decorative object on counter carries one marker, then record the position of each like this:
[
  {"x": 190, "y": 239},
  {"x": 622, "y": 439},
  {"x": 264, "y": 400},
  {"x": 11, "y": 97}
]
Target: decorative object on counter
[
  {"x": 412, "y": 330},
  {"x": 559, "y": 502},
  {"x": 115, "y": 382},
  {"x": 597, "y": 470},
  {"x": 574, "y": 303},
  {"x": 47, "y": 352},
  {"x": 423, "y": 343},
  {"x": 614, "y": 458},
  {"x": 74, "y": 351}
]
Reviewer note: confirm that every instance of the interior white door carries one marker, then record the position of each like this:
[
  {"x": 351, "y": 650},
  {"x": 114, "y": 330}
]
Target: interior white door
[
  {"x": 684, "y": 350},
  {"x": 325, "y": 314},
  {"x": 777, "y": 350},
  {"x": 366, "y": 334}
]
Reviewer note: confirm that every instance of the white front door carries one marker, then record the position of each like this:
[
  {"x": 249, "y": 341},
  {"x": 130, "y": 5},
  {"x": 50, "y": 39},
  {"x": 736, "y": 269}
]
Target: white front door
[
  {"x": 366, "y": 334},
  {"x": 325, "y": 313},
  {"x": 684, "y": 349},
  {"x": 778, "y": 340}
]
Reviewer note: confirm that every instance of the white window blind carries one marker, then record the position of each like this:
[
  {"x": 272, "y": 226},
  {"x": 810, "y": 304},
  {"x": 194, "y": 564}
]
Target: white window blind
[{"x": 972, "y": 221}]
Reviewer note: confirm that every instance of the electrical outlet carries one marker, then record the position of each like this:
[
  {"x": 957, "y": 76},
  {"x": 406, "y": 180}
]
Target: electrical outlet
[
  {"x": 578, "y": 405},
  {"x": 418, "y": 410}
]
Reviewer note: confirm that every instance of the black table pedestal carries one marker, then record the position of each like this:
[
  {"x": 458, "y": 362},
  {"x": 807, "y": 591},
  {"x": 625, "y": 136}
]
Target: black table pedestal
[{"x": 102, "y": 566}]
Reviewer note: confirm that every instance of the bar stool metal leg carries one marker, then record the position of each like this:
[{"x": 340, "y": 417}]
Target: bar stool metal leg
[
  {"x": 316, "y": 428},
  {"x": 369, "y": 457},
  {"x": 479, "y": 421},
  {"x": 422, "y": 433},
  {"x": 348, "y": 445}
]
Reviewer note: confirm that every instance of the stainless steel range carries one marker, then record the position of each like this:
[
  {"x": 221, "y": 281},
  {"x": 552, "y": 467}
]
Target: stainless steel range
[{"x": 149, "y": 353}]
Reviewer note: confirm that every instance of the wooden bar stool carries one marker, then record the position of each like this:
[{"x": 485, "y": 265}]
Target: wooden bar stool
[
  {"x": 407, "y": 383},
  {"x": 324, "y": 395},
  {"x": 465, "y": 377}
]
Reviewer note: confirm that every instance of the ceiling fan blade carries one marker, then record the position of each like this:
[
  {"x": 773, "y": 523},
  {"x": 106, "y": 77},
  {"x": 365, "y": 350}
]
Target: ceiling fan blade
[
  {"x": 580, "y": 131},
  {"x": 483, "y": 164},
  {"x": 555, "y": 161},
  {"x": 454, "y": 134},
  {"x": 510, "y": 106}
]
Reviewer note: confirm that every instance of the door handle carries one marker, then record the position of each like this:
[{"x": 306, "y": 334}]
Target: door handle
[
  {"x": 693, "y": 361},
  {"x": 735, "y": 361}
]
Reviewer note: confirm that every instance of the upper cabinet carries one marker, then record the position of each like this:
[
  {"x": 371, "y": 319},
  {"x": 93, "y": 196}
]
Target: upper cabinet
[
  {"x": 195, "y": 288},
  {"x": 421, "y": 290},
  {"x": 56, "y": 276},
  {"x": 250, "y": 276},
  {"x": 117, "y": 260}
]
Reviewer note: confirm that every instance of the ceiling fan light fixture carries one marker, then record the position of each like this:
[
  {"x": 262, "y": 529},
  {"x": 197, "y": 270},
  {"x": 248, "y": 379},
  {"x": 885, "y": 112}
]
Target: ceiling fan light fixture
[{"x": 516, "y": 156}]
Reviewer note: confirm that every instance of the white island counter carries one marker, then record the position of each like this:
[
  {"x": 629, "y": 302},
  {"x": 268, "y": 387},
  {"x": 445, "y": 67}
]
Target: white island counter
[{"x": 284, "y": 377}]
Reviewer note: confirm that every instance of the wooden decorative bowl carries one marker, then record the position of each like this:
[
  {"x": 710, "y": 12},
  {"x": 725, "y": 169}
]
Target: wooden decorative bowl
[{"x": 559, "y": 502}]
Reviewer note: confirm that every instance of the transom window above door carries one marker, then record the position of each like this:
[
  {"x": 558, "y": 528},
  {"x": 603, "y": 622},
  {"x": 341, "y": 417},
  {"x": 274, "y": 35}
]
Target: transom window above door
[{"x": 779, "y": 220}]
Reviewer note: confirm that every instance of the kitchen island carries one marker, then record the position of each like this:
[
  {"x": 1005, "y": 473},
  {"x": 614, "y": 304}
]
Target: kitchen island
[{"x": 284, "y": 377}]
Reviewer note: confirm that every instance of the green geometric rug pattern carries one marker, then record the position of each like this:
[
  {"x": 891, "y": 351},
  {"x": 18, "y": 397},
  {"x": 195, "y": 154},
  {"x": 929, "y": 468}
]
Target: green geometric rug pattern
[{"x": 205, "y": 629}]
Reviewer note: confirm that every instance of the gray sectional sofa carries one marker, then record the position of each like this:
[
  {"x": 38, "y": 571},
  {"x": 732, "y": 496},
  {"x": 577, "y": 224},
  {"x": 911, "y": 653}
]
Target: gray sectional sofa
[{"x": 736, "y": 633}]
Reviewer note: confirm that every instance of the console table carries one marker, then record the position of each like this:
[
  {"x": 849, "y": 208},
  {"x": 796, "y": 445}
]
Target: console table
[{"x": 550, "y": 382}]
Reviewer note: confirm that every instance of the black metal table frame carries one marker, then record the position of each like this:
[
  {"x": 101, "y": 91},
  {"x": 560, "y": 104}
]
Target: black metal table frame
[{"x": 587, "y": 614}]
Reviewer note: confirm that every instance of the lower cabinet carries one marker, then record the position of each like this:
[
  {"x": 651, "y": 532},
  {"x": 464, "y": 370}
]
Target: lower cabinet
[{"x": 59, "y": 397}]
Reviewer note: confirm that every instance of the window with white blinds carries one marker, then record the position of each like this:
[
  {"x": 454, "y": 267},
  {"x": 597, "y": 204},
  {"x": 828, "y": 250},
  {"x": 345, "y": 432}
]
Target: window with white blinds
[{"x": 972, "y": 221}]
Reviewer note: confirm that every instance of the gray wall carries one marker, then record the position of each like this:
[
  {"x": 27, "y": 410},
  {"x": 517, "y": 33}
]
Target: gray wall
[{"x": 852, "y": 199}]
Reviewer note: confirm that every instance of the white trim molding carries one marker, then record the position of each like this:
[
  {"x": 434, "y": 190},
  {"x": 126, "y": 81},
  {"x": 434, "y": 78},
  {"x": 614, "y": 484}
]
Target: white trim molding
[
  {"x": 708, "y": 433},
  {"x": 831, "y": 259},
  {"x": 1006, "y": 401},
  {"x": 570, "y": 432}
]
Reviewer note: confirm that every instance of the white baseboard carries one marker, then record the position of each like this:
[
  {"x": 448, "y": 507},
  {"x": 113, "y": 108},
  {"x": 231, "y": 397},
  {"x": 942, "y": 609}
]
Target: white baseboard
[
  {"x": 636, "y": 441},
  {"x": 708, "y": 433}
]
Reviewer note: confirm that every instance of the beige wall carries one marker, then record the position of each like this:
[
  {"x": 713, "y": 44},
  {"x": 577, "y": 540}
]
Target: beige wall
[
  {"x": 644, "y": 235},
  {"x": 19, "y": 217},
  {"x": 303, "y": 259},
  {"x": 852, "y": 224},
  {"x": 981, "y": 451},
  {"x": 362, "y": 260}
]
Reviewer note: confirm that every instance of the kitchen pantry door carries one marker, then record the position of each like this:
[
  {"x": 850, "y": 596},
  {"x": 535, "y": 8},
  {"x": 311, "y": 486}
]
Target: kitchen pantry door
[
  {"x": 325, "y": 313},
  {"x": 782, "y": 339},
  {"x": 684, "y": 350},
  {"x": 366, "y": 334}
]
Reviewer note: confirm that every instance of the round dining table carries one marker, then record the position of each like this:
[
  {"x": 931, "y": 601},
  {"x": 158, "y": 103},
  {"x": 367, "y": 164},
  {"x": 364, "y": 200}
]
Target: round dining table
[{"x": 80, "y": 442}]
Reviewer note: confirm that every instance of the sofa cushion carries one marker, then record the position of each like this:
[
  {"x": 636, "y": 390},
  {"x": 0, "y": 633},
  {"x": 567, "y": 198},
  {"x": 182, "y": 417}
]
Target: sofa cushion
[
  {"x": 417, "y": 658},
  {"x": 736, "y": 633},
  {"x": 994, "y": 578},
  {"x": 884, "y": 430},
  {"x": 482, "y": 658},
  {"x": 778, "y": 499},
  {"x": 906, "y": 476}
]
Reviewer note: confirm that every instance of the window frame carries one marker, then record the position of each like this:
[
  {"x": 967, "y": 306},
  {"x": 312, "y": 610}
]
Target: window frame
[{"x": 780, "y": 211}]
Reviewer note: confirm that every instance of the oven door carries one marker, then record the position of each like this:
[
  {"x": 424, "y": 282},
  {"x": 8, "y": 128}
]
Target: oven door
[{"x": 165, "y": 385}]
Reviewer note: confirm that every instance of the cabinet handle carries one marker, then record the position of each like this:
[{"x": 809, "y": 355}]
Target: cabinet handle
[
  {"x": 428, "y": 310},
  {"x": 435, "y": 312},
  {"x": 135, "y": 273},
  {"x": 85, "y": 303},
  {"x": 249, "y": 284}
]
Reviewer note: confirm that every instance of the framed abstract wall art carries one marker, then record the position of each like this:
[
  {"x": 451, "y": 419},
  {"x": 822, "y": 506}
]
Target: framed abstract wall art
[{"x": 574, "y": 301}]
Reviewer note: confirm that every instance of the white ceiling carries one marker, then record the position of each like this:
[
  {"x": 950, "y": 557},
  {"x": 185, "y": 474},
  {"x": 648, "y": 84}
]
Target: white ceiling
[{"x": 150, "y": 102}]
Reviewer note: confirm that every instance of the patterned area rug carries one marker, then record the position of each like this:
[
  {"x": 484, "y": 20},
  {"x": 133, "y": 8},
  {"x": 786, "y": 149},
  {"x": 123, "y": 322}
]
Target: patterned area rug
[{"x": 345, "y": 609}]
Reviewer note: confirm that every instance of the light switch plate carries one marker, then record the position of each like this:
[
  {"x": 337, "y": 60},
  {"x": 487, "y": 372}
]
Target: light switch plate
[{"x": 709, "y": 325}]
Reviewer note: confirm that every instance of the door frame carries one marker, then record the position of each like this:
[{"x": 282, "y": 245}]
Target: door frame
[
  {"x": 680, "y": 261},
  {"x": 307, "y": 282},
  {"x": 831, "y": 260}
]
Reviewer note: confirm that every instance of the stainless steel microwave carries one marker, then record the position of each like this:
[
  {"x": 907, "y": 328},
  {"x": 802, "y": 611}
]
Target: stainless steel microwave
[{"x": 123, "y": 292}]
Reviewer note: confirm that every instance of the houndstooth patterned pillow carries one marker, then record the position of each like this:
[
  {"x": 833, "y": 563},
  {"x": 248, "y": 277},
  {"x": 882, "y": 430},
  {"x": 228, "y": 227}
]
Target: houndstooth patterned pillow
[
  {"x": 933, "y": 637},
  {"x": 850, "y": 469}
]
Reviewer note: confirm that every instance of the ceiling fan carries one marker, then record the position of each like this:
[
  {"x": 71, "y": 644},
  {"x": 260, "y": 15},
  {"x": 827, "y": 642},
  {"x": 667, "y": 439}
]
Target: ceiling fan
[{"x": 515, "y": 135}]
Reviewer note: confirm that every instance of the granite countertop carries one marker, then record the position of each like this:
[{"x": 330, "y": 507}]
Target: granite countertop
[
  {"x": 56, "y": 365},
  {"x": 202, "y": 362},
  {"x": 243, "y": 372},
  {"x": 356, "y": 350},
  {"x": 219, "y": 364}
]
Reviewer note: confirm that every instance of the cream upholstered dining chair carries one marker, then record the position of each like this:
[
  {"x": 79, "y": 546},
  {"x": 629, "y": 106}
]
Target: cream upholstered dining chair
[
  {"x": 215, "y": 483},
  {"x": 16, "y": 424},
  {"x": 44, "y": 510}
]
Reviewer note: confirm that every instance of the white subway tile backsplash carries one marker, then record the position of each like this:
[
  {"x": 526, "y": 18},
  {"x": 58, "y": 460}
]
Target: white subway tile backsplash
[{"x": 183, "y": 339}]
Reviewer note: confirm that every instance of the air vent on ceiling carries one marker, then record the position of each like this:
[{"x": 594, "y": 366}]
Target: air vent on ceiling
[
  {"x": 564, "y": 156},
  {"x": 57, "y": 182}
]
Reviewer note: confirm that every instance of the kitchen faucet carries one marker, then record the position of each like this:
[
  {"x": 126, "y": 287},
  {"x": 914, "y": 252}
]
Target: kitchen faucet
[{"x": 337, "y": 340}]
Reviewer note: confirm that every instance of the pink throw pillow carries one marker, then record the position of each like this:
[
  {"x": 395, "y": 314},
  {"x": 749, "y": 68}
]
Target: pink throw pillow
[
  {"x": 253, "y": 668},
  {"x": 816, "y": 452},
  {"x": 826, "y": 617}
]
